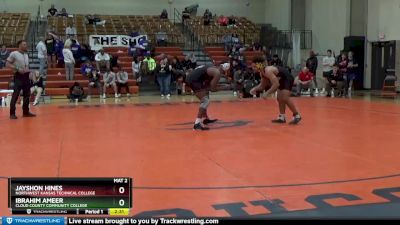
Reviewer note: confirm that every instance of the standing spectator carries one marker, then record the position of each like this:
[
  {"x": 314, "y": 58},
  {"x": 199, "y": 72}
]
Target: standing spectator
[
  {"x": 164, "y": 14},
  {"x": 177, "y": 74},
  {"x": 304, "y": 80},
  {"x": 312, "y": 65},
  {"x": 335, "y": 81},
  {"x": 351, "y": 72},
  {"x": 135, "y": 69},
  {"x": 122, "y": 81},
  {"x": 185, "y": 14},
  {"x": 4, "y": 53},
  {"x": 87, "y": 68},
  {"x": 328, "y": 62},
  {"x": 69, "y": 60},
  {"x": 59, "y": 46},
  {"x": 70, "y": 31},
  {"x": 207, "y": 17},
  {"x": 163, "y": 72},
  {"x": 52, "y": 11},
  {"x": 42, "y": 55},
  {"x": 18, "y": 61},
  {"x": 109, "y": 81},
  {"x": 151, "y": 63},
  {"x": 276, "y": 61},
  {"x": 102, "y": 61},
  {"x": 94, "y": 82},
  {"x": 76, "y": 51},
  {"x": 36, "y": 86},
  {"x": 63, "y": 13},
  {"x": 76, "y": 92},
  {"x": 50, "y": 46}
]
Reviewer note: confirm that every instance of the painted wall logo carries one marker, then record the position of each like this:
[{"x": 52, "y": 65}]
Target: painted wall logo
[{"x": 216, "y": 126}]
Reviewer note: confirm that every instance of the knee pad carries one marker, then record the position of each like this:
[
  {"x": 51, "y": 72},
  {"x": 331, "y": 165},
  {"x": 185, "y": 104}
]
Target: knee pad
[{"x": 205, "y": 101}]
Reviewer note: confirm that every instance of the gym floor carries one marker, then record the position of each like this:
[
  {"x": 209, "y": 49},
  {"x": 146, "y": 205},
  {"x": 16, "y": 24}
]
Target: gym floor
[{"x": 341, "y": 161}]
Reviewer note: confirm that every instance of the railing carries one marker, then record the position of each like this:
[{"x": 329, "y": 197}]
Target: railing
[{"x": 284, "y": 39}]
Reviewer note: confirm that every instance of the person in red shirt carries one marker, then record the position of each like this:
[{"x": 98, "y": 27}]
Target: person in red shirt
[{"x": 304, "y": 80}]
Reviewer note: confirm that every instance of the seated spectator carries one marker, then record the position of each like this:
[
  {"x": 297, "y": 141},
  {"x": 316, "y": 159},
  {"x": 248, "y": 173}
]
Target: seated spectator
[
  {"x": 36, "y": 86},
  {"x": 63, "y": 13},
  {"x": 186, "y": 63},
  {"x": 76, "y": 92},
  {"x": 163, "y": 71},
  {"x": 94, "y": 20},
  {"x": 87, "y": 68},
  {"x": 304, "y": 80},
  {"x": 122, "y": 81},
  {"x": 223, "y": 21},
  {"x": 4, "y": 53},
  {"x": 193, "y": 61},
  {"x": 257, "y": 47},
  {"x": 231, "y": 21},
  {"x": 102, "y": 61},
  {"x": 70, "y": 31},
  {"x": 207, "y": 17},
  {"x": 86, "y": 53},
  {"x": 185, "y": 14},
  {"x": 336, "y": 83},
  {"x": 114, "y": 62},
  {"x": 276, "y": 61},
  {"x": 135, "y": 69},
  {"x": 234, "y": 54},
  {"x": 343, "y": 63},
  {"x": 164, "y": 14},
  {"x": 52, "y": 11},
  {"x": 94, "y": 82},
  {"x": 109, "y": 81},
  {"x": 237, "y": 71}
]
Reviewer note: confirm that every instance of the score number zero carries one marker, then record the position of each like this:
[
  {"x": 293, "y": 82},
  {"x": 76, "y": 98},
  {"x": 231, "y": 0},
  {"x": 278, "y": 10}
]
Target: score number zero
[{"x": 121, "y": 190}]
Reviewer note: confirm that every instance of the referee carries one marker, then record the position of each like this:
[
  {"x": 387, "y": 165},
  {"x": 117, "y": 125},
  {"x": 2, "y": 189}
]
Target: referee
[{"x": 18, "y": 61}]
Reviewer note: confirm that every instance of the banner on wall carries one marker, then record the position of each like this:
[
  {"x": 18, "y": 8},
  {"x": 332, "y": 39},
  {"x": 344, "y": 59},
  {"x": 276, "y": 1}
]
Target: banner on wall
[{"x": 99, "y": 41}]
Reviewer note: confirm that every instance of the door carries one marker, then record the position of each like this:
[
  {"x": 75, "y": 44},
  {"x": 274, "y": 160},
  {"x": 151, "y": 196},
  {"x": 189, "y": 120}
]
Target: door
[{"x": 383, "y": 57}]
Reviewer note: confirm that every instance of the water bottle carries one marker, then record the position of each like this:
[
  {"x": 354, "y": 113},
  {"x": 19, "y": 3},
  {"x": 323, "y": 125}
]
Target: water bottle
[{"x": 3, "y": 102}]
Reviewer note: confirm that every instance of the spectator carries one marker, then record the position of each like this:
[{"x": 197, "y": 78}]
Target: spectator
[
  {"x": 237, "y": 70},
  {"x": 312, "y": 65},
  {"x": 178, "y": 74},
  {"x": 69, "y": 60},
  {"x": 304, "y": 80},
  {"x": 351, "y": 72},
  {"x": 76, "y": 51},
  {"x": 36, "y": 86},
  {"x": 193, "y": 61},
  {"x": 87, "y": 68},
  {"x": 276, "y": 61},
  {"x": 135, "y": 69},
  {"x": 63, "y": 13},
  {"x": 4, "y": 53},
  {"x": 94, "y": 82},
  {"x": 76, "y": 92},
  {"x": 52, "y": 11},
  {"x": 109, "y": 81},
  {"x": 223, "y": 21},
  {"x": 151, "y": 64},
  {"x": 59, "y": 46},
  {"x": 95, "y": 20},
  {"x": 122, "y": 81},
  {"x": 207, "y": 17},
  {"x": 42, "y": 55},
  {"x": 164, "y": 14},
  {"x": 86, "y": 53},
  {"x": 328, "y": 62},
  {"x": 163, "y": 72},
  {"x": 70, "y": 31},
  {"x": 257, "y": 47},
  {"x": 186, "y": 63},
  {"x": 185, "y": 14},
  {"x": 232, "y": 21},
  {"x": 337, "y": 81},
  {"x": 114, "y": 62},
  {"x": 102, "y": 61},
  {"x": 50, "y": 46},
  {"x": 343, "y": 63}
]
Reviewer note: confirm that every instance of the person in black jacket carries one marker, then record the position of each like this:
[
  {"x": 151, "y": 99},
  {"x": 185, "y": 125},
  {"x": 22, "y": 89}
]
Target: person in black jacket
[
  {"x": 76, "y": 92},
  {"x": 312, "y": 65},
  {"x": 37, "y": 86},
  {"x": 94, "y": 82},
  {"x": 336, "y": 81}
]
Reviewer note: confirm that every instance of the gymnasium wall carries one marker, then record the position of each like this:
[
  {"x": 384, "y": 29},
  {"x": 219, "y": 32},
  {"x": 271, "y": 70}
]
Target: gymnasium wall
[
  {"x": 277, "y": 13},
  {"x": 255, "y": 11}
]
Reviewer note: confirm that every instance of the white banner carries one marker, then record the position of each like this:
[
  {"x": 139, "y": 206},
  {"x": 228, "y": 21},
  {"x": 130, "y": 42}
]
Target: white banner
[{"x": 98, "y": 41}]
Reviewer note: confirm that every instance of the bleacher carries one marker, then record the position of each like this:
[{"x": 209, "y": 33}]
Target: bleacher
[
  {"x": 119, "y": 25},
  {"x": 213, "y": 34},
  {"x": 218, "y": 55},
  {"x": 13, "y": 27}
]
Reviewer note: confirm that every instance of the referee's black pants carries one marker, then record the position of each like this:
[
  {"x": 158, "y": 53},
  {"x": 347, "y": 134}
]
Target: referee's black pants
[{"x": 21, "y": 82}]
